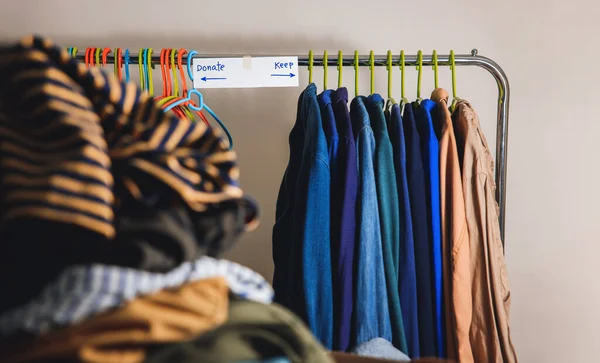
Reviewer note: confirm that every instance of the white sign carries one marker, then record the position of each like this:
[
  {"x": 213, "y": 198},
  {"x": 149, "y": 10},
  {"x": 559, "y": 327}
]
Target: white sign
[{"x": 245, "y": 72}]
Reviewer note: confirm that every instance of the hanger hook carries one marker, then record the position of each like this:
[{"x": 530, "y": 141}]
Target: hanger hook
[
  {"x": 180, "y": 53},
  {"x": 116, "y": 68},
  {"x": 388, "y": 66},
  {"x": 105, "y": 53},
  {"x": 420, "y": 74},
  {"x": 402, "y": 73},
  {"x": 97, "y": 58},
  {"x": 190, "y": 56},
  {"x": 340, "y": 66},
  {"x": 141, "y": 69},
  {"x": 356, "y": 73},
  {"x": 174, "y": 71},
  {"x": 310, "y": 66},
  {"x": 372, "y": 67},
  {"x": 74, "y": 52},
  {"x": 325, "y": 66},
  {"x": 434, "y": 58},
  {"x": 453, "y": 69},
  {"x": 149, "y": 66}
]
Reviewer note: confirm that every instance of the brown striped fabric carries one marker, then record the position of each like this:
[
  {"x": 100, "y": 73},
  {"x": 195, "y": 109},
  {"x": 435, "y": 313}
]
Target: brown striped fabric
[
  {"x": 80, "y": 152},
  {"x": 71, "y": 136}
]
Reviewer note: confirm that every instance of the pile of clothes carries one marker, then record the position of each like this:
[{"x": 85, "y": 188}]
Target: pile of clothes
[{"x": 113, "y": 215}]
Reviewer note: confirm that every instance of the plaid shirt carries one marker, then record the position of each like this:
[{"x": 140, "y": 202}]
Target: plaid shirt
[{"x": 83, "y": 291}]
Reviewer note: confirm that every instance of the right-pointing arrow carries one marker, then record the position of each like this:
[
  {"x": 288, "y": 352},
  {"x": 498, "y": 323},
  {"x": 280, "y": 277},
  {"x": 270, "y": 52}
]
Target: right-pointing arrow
[{"x": 283, "y": 75}]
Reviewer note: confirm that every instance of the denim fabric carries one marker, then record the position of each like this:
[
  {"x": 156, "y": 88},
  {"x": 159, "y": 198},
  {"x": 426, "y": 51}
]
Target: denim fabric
[
  {"x": 431, "y": 164},
  {"x": 347, "y": 172},
  {"x": 284, "y": 217},
  {"x": 309, "y": 290},
  {"x": 418, "y": 207},
  {"x": 372, "y": 317},
  {"x": 389, "y": 219},
  {"x": 407, "y": 276}
]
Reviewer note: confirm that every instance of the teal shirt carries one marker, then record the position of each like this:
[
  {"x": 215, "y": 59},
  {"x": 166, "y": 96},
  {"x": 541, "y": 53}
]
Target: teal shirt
[{"x": 389, "y": 214}]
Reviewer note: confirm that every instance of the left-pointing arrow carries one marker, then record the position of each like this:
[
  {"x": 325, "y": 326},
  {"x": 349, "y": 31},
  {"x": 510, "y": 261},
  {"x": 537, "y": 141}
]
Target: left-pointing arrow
[
  {"x": 212, "y": 79},
  {"x": 283, "y": 75}
]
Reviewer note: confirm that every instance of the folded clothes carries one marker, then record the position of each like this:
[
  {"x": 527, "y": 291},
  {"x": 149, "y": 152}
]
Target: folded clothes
[
  {"x": 83, "y": 291},
  {"x": 123, "y": 335},
  {"x": 253, "y": 332}
]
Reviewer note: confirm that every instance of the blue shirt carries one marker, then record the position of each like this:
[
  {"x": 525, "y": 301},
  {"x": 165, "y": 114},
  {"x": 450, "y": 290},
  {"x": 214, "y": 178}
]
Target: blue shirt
[
  {"x": 372, "y": 318},
  {"x": 347, "y": 172},
  {"x": 389, "y": 218},
  {"x": 309, "y": 288},
  {"x": 407, "y": 276},
  {"x": 431, "y": 164},
  {"x": 418, "y": 205}
]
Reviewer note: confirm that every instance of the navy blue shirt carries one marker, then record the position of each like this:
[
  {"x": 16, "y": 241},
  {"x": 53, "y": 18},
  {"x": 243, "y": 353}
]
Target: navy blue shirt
[
  {"x": 407, "y": 276},
  {"x": 420, "y": 216},
  {"x": 309, "y": 290},
  {"x": 343, "y": 251}
]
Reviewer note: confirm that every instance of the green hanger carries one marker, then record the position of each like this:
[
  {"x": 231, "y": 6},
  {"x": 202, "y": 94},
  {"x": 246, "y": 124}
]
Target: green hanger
[
  {"x": 372, "y": 67},
  {"x": 325, "y": 66},
  {"x": 356, "y": 73},
  {"x": 453, "y": 69},
  {"x": 310, "y": 66},
  {"x": 403, "y": 100},
  {"x": 340, "y": 66},
  {"x": 434, "y": 58},
  {"x": 420, "y": 74}
]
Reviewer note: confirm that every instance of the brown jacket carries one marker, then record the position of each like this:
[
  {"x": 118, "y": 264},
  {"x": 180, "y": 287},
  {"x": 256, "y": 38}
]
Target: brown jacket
[
  {"x": 122, "y": 335},
  {"x": 455, "y": 238},
  {"x": 489, "y": 333}
]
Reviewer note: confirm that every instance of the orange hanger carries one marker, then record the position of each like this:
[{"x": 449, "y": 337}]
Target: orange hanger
[
  {"x": 105, "y": 52},
  {"x": 180, "y": 55},
  {"x": 88, "y": 55},
  {"x": 119, "y": 63}
]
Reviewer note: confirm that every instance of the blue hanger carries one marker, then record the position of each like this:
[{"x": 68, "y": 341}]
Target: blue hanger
[
  {"x": 126, "y": 65},
  {"x": 201, "y": 104},
  {"x": 146, "y": 70}
]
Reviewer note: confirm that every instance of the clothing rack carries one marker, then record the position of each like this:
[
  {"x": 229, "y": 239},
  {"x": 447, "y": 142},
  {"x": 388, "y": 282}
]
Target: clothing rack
[{"x": 472, "y": 59}]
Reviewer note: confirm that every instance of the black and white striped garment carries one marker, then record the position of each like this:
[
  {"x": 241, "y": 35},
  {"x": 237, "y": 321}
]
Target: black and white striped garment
[{"x": 83, "y": 291}]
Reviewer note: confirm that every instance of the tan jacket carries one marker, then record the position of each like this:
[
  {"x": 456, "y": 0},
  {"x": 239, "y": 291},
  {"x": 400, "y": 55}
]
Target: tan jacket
[
  {"x": 489, "y": 333},
  {"x": 122, "y": 335},
  {"x": 455, "y": 239}
]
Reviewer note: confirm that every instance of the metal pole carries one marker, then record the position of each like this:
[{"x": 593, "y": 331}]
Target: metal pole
[{"x": 411, "y": 60}]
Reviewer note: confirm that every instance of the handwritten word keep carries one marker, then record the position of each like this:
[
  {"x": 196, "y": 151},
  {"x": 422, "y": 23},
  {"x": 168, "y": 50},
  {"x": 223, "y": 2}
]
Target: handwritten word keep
[{"x": 282, "y": 65}]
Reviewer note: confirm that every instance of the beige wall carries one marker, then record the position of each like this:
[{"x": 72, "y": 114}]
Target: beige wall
[{"x": 548, "y": 49}]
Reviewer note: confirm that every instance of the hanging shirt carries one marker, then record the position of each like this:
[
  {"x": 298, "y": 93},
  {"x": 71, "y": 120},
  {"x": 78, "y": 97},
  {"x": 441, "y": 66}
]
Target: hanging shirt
[
  {"x": 407, "y": 276},
  {"x": 347, "y": 171},
  {"x": 458, "y": 307},
  {"x": 490, "y": 332},
  {"x": 431, "y": 165},
  {"x": 389, "y": 219},
  {"x": 418, "y": 205},
  {"x": 372, "y": 317}
]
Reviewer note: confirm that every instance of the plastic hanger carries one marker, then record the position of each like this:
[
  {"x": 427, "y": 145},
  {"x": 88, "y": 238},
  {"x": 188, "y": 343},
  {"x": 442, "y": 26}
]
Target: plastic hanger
[
  {"x": 325, "y": 66},
  {"x": 453, "y": 68},
  {"x": 434, "y": 59},
  {"x": 149, "y": 67},
  {"x": 118, "y": 62},
  {"x": 403, "y": 99},
  {"x": 97, "y": 57},
  {"x": 166, "y": 78},
  {"x": 372, "y": 68},
  {"x": 390, "y": 100},
  {"x": 340, "y": 66},
  {"x": 74, "y": 52},
  {"x": 420, "y": 74},
  {"x": 141, "y": 69},
  {"x": 86, "y": 58},
  {"x": 105, "y": 53},
  {"x": 356, "y": 73},
  {"x": 180, "y": 110},
  {"x": 201, "y": 105},
  {"x": 310, "y": 66},
  {"x": 127, "y": 65}
]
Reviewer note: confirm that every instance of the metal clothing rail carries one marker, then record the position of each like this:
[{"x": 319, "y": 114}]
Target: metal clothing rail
[{"x": 411, "y": 60}]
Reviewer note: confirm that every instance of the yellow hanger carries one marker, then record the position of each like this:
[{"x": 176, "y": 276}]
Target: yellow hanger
[
  {"x": 141, "y": 69},
  {"x": 388, "y": 66},
  {"x": 175, "y": 78},
  {"x": 356, "y": 73},
  {"x": 340, "y": 66},
  {"x": 325, "y": 70},
  {"x": 73, "y": 52},
  {"x": 149, "y": 70},
  {"x": 403, "y": 100},
  {"x": 310, "y": 66},
  {"x": 420, "y": 74},
  {"x": 453, "y": 69},
  {"x": 97, "y": 57},
  {"x": 372, "y": 67},
  {"x": 434, "y": 58}
]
